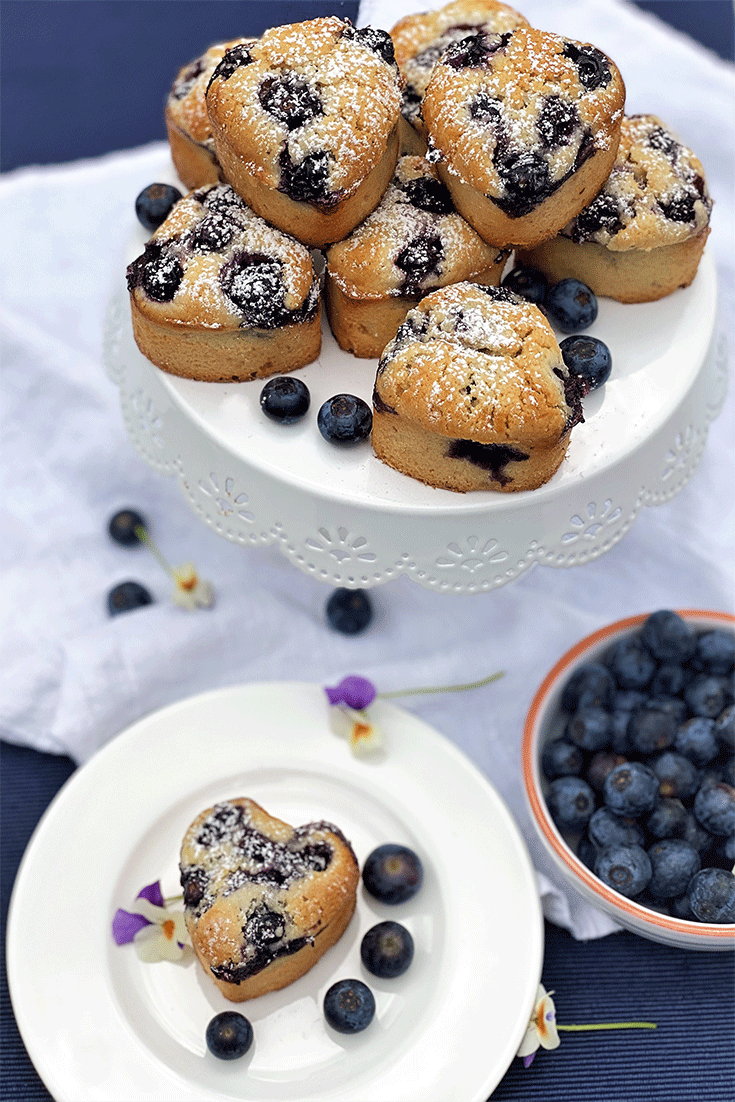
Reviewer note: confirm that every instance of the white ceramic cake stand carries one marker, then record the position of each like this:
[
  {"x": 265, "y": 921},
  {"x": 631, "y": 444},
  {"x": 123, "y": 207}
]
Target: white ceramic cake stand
[{"x": 348, "y": 519}]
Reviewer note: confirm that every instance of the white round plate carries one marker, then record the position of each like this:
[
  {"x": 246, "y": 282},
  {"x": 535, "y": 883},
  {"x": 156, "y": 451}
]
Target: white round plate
[
  {"x": 345, "y": 517},
  {"x": 100, "y": 1025}
]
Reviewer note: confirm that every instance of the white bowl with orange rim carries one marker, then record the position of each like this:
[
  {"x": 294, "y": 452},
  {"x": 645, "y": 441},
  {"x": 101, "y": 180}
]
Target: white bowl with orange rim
[{"x": 546, "y": 721}]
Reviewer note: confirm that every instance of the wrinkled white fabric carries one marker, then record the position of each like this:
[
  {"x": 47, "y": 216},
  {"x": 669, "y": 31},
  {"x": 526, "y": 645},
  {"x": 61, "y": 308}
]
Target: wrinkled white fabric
[{"x": 71, "y": 677}]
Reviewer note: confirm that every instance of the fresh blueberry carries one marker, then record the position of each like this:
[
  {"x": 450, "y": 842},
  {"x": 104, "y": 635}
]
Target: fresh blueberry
[
  {"x": 668, "y": 818},
  {"x": 571, "y": 305},
  {"x": 349, "y": 1006},
  {"x": 528, "y": 283},
  {"x": 705, "y": 696},
  {"x": 591, "y": 683},
  {"x": 678, "y": 776},
  {"x": 673, "y": 863},
  {"x": 631, "y": 664},
  {"x": 122, "y": 527},
  {"x": 571, "y": 802},
  {"x": 587, "y": 852},
  {"x": 285, "y": 399},
  {"x": 349, "y": 611},
  {"x": 714, "y": 808},
  {"x": 600, "y": 764},
  {"x": 561, "y": 758},
  {"x": 711, "y": 895},
  {"x": 725, "y": 726},
  {"x": 669, "y": 679},
  {"x": 716, "y": 651},
  {"x": 229, "y": 1035},
  {"x": 669, "y": 637},
  {"x": 652, "y": 727},
  {"x": 127, "y": 596},
  {"x": 604, "y": 829},
  {"x": 625, "y": 867},
  {"x": 695, "y": 834},
  {"x": 387, "y": 949},
  {"x": 393, "y": 873},
  {"x": 631, "y": 789},
  {"x": 681, "y": 908},
  {"x": 696, "y": 740},
  {"x": 154, "y": 204},
  {"x": 345, "y": 419},
  {"x": 589, "y": 727},
  {"x": 589, "y": 358}
]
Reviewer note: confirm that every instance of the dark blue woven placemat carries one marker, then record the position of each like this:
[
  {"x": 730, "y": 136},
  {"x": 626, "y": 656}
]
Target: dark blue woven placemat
[{"x": 691, "y": 996}]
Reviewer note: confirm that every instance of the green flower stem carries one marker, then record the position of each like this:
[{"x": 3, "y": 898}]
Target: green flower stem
[
  {"x": 173, "y": 899},
  {"x": 144, "y": 537},
  {"x": 608, "y": 1025},
  {"x": 442, "y": 688}
]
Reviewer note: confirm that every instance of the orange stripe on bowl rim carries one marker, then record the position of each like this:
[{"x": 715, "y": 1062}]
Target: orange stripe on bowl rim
[{"x": 538, "y": 805}]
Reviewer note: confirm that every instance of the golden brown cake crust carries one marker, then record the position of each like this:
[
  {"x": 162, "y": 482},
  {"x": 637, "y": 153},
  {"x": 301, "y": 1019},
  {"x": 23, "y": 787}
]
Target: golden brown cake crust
[
  {"x": 187, "y": 122},
  {"x": 218, "y": 294},
  {"x": 263, "y": 900},
  {"x": 309, "y": 113},
  {"x": 414, "y": 242},
  {"x": 472, "y": 394},
  {"x": 421, "y": 38},
  {"x": 525, "y": 127},
  {"x": 643, "y": 235}
]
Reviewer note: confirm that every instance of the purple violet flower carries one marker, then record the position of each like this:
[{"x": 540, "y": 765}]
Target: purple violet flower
[
  {"x": 125, "y": 925},
  {"x": 354, "y": 691}
]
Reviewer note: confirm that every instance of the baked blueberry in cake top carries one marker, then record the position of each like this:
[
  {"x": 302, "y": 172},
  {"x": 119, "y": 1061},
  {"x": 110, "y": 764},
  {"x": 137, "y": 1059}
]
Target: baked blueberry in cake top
[
  {"x": 524, "y": 127},
  {"x": 305, "y": 124},
  {"x": 263, "y": 901},
  {"x": 220, "y": 295},
  {"x": 643, "y": 235},
  {"x": 414, "y": 242},
  {"x": 473, "y": 393},
  {"x": 187, "y": 122},
  {"x": 421, "y": 38}
]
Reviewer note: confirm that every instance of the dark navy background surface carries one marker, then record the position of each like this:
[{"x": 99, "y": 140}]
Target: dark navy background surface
[{"x": 77, "y": 79}]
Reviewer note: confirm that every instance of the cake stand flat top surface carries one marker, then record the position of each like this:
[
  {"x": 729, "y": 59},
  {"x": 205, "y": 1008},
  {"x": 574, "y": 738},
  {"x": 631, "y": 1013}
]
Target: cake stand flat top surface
[{"x": 657, "y": 350}]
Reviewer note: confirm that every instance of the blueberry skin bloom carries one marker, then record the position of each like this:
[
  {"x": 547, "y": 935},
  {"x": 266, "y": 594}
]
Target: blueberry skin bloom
[
  {"x": 387, "y": 949},
  {"x": 229, "y": 1035},
  {"x": 625, "y": 867},
  {"x": 571, "y": 802},
  {"x": 154, "y": 204},
  {"x": 589, "y": 358},
  {"x": 714, "y": 808},
  {"x": 590, "y": 727},
  {"x": 631, "y": 789},
  {"x": 285, "y": 399},
  {"x": 345, "y": 420},
  {"x": 393, "y": 873},
  {"x": 673, "y": 863},
  {"x": 349, "y": 611},
  {"x": 349, "y": 1006},
  {"x": 127, "y": 596},
  {"x": 571, "y": 305},
  {"x": 711, "y": 894}
]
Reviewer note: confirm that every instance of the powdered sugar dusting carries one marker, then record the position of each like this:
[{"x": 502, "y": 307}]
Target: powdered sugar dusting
[{"x": 358, "y": 92}]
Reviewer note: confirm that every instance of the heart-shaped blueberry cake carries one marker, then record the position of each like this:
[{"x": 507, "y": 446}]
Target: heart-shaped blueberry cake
[{"x": 263, "y": 900}]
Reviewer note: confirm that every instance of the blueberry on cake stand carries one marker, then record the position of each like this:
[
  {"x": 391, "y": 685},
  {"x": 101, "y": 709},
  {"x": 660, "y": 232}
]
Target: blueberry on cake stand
[{"x": 346, "y": 518}]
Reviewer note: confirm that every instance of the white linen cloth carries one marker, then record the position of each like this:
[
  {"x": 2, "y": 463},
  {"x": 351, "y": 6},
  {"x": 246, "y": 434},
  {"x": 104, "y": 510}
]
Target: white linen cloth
[{"x": 71, "y": 677}]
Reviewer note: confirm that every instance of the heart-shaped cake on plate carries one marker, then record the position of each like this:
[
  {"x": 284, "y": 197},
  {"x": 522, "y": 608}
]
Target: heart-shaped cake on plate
[{"x": 263, "y": 900}]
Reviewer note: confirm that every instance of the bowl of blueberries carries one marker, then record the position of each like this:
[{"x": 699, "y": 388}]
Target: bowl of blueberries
[{"x": 628, "y": 762}]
